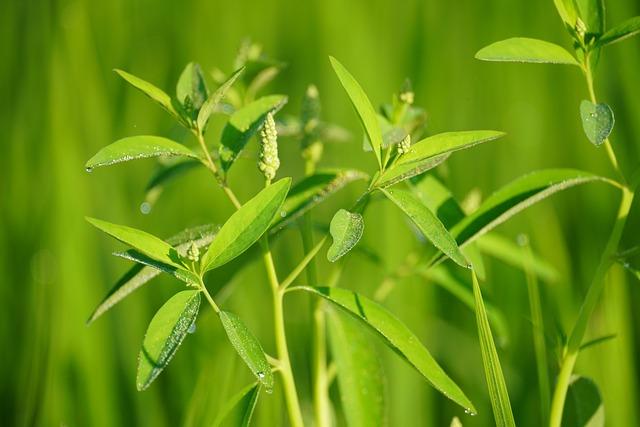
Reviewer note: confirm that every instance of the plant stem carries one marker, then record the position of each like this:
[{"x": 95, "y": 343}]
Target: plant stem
[
  {"x": 291, "y": 396},
  {"x": 206, "y": 293},
  {"x": 210, "y": 164}
]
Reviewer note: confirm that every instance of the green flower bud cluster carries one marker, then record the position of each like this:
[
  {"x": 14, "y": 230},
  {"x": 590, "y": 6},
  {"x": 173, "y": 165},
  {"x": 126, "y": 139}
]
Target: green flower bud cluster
[
  {"x": 268, "y": 161},
  {"x": 193, "y": 253}
]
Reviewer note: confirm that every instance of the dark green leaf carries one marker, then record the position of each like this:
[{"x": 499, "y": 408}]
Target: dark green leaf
[
  {"x": 165, "y": 333},
  {"x": 361, "y": 103},
  {"x": 597, "y": 121},
  {"x": 492, "y": 369},
  {"x": 248, "y": 347},
  {"x": 359, "y": 372},
  {"x": 447, "y": 142},
  {"x": 246, "y": 225},
  {"x": 397, "y": 336},
  {"x": 428, "y": 223},
  {"x": 520, "y": 49},
  {"x": 191, "y": 89},
  {"x": 215, "y": 98},
  {"x": 243, "y": 124},
  {"x": 584, "y": 406},
  {"x": 151, "y": 91},
  {"x": 137, "y": 147},
  {"x": 592, "y": 13},
  {"x": 627, "y": 29},
  {"x": 346, "y": 230},
  {"x": 239, "y": 410}
]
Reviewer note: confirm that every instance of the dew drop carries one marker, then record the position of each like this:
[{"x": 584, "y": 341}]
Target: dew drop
[
  {"x": 192, "y": 328},
  {"x": 269, "y": 390},
  {"x": 261, "y": 375},
  {"x": 469, "y": 412},
  {"x": 145, "y": 208},
  {"x": 283, "y": 214},
  {"x": 88, "y": 169}
]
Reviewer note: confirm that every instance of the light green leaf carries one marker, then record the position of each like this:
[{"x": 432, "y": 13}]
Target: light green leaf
[
  {"x": 402, "y": 172},
  {"x": 144, "y": 242},
  {"x": 137, "y": 147},
  {"x": 239, "y": 410},
  {"x": 248, "y": 347},
  {"x": 396, "y": 335},
  {"x": 243, "y": 124},
  {"x": 567, "y": 11},
  {"x": 140, "y": 274},
  {"x": 492, "y": 369},
  {"x": 158, "y": 95},
  {"x": 447, "y": 142},
  {"x": 359, "y": 372},
  {"x": 215, "y": 98},
  {"x": 346, "y": 229},
  {"x": 521, "y": 49},
  {"x": 428, "y": 223},
  {"x": 584, "y": 406},
  {"x": 165, "y": 333},
  {"x": 246, "y": 225},
  {"x": 627, "y": 29},
  {"x": 135, "y": 256},
  {"x": 391, "y": 135},
  {"x": 191, "y": 89},
  {"x": 313, "y": 190},
  {"x": 597, "y": 121},
  {"x": 361, "y": 103},
  {"x": 592, "y": 13}
]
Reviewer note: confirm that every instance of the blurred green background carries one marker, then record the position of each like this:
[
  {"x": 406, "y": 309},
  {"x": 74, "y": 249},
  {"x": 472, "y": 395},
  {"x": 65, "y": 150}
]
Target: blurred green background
[{"x": 62, "y": 103}]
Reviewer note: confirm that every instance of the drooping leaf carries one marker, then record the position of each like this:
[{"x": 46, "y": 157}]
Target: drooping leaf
[
  {"x": 359, "y": 372},
  {"x": 191, "y": 89},
  {"x": 428, "y": 223},
  {"x": 493, "y": 371},
  {"x": 404, "y": 171},
  {"x": 312, "y": 191},
  {"x": 137, "y": 147},
  {"x": 447, "y": 142},
  {"x": 248, "y": 347},
  {"x": 567, "y": 11},
  {"x": 246, "y": 225},
  {"x": 628, "y": 28},
  {"x": 165, "y": 333},
  {"x": 597, "y": 121},
  {"x": 158, "y": 95},
  {"x": 362, "y": 105},
  {"x": 346, "y": 229},
  {"x": 396, "y": 335},
  {"x": 142, "y": 241},
  {"x": 239, "y": 409},
  {"x": 583, "y": 406},
  {"x": 215, "y": 98},
  {"x": 243, "y": 124},
  {"x": 521, "y": 49}
]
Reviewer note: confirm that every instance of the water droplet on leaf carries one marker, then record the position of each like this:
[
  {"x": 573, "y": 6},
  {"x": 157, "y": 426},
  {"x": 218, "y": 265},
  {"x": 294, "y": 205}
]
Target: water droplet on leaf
[
  {"x": 192, "y": 328},
  {"x": 145, "y": 208}
]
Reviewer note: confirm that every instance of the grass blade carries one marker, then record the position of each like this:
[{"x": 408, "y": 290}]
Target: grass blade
[{"x": 521, "y": 49}]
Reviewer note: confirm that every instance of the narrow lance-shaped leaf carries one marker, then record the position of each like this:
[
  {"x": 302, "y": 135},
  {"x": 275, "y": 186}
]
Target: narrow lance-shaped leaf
[
  {"x": 492, "y": 369},
  {"x": 597, "y": 121},
  {"x": 248, "y": 347},
  {"x": 361, "y": 103},
  {"x": 141, "y": 274},
  {"x": 405, "y": 171},
  {"x": 521, "y": 49},
  {"x": 144, "y": 242},
  {"x": 239, "y": 409},
  {"x": 186, "y": 276},
  {"x": 246, "y": 225},
  {"x": 215, "y": 98},
  {"x": 448, "y": 142},
  {"x": 628, "y": 28},
  {"x": 397, "y": 336},
  {"x": 165, "y": 333},
  {"x": 567, "y": 11},
  {"x": 158, "y": 95},
  {"x": 592, "y": 13},
  {"x": 359, "y": 372},
  {"x": 137, "y": 147},
  {"x": 584, "y": 406},
  {"x": 428, "y": 223},
  {"x": 346, "y": 229}
]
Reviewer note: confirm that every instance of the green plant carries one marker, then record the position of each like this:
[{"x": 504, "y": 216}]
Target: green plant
[{"x": 584, "y": 20}]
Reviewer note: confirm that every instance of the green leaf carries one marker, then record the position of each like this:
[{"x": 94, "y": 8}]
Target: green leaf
[
  {"x": 156, "y": 94},
  {"x": 584, "y": 406},
  {"x": 597, "y": 121},
  {"x": 239, "y": 410},
  {"x": 246, "y": 225},
  {"x": 243, "y": 124},
  {"x": 361, "y": 103},
  {"x": 313, "y": 190},
  {"x": 592, "y": 13},
  {"x": 141, "y": 274},
  {"x": 567, "y": 11},
  {"x": 520, "y": 49},
  {"x": 491, "y": 363},
  {"x": 396, "y": 335},
  {"x": 627, "y": 29},
  {"x": 402, "y": 172},
  {"x": 515, "y": 197},
  {"x": 447, "y": 142},
  {"x": 248, "y": 347},
  {"x": 391, "y": 135},
  {"x": 144, "y": 242},
  {"x": 346, "y": 229},
  {"x": 135, "y": 256},
  {"x": 428, "y": 223},
  {"x": 165, "y": 333},
  {"x": 191, "y": 89},
  {"x": 215, "y": 98},
  {"x": 359, "y": 372},
  {"x": 137, "y": 147}
]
